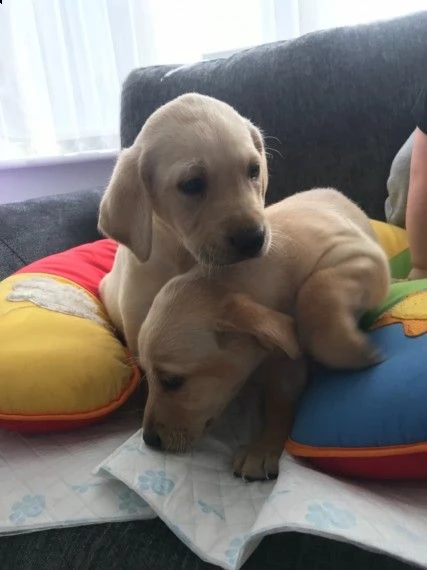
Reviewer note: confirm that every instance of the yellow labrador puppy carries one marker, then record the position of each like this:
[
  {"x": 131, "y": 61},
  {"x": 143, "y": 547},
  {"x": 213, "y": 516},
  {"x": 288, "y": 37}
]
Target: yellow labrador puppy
[
  {"x": 204, "y": 336},
  {"x": 191, "y": 188}
]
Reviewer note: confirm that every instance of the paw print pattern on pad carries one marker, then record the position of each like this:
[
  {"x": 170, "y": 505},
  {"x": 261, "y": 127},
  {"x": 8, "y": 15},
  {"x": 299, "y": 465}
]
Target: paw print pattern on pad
[
  {"x": 157, "y": 482},
  {"x": 234, "y": 548},
  {"x": 85, "y": 487},
  {"x": 130, "y": 502},
  {"x": 133, "y": 448},
  {"x": 209, "y": 509},
  {"x": 326, "y": 516},
  {"x": 31, "y": 506}
]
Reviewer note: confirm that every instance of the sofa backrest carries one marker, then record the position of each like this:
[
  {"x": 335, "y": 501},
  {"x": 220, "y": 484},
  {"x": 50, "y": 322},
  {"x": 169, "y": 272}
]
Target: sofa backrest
[{"x": 335, "y": 106}]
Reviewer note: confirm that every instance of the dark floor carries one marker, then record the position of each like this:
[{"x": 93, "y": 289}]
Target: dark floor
[{"x": 150, "y": 545}]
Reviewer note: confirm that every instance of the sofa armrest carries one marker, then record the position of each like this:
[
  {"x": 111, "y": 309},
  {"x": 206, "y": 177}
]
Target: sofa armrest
[{"x": 35, "y": 228}]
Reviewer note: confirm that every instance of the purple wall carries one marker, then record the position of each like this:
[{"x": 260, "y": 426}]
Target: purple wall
[{"x": 22, "y": 182}]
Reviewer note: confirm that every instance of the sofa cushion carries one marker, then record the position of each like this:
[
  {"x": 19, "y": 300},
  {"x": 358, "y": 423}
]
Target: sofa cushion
[
  {"x": 62, "y": 366},
  {"x": 335, "y": 105}
]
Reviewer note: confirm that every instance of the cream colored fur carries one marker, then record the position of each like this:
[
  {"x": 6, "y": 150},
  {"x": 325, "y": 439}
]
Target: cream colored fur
[
  {"x": 162, "y": 229},
  {"x": 206, "y": 335}
]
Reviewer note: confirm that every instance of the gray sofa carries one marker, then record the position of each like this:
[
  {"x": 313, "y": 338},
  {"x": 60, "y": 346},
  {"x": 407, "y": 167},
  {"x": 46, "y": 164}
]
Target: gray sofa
[{"x": 335, "y": 108}]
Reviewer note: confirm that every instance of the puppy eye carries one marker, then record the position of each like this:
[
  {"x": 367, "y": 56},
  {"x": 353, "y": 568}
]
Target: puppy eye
[
  {"x": 172, "y": 382},
  {"x": 253, "y": 171},
  {"x": 193, "y": 186}
]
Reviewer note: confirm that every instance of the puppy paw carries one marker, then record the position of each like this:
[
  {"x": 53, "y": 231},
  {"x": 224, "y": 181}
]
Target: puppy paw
[
  {"x": 369, "y": 355},
  {"x": 357, "y": 354},
  {"x": 376, "y": 356},
  {"x": 257, "y": 462}
]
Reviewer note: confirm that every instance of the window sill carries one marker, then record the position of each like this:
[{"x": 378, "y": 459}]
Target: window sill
[{"x": 78, "y": 157}]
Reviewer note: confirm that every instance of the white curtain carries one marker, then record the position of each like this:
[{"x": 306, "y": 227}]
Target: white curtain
[{"x": 63, "y": 62}]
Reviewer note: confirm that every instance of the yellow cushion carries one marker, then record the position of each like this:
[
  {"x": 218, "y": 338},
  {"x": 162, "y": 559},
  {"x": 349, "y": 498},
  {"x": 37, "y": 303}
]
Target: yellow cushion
[
  {"x": 61, "y": 365},
  {"x": 395, "y": 242}
]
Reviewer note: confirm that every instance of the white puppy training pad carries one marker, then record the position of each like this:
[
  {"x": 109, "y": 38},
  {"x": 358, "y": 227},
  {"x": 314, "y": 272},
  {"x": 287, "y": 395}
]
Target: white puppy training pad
[
  {"x": 46, "y": 481},
  {"x": 223, "y": 519}
]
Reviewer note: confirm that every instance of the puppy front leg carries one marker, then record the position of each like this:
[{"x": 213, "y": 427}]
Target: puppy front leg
[
  {"x": 327, "y": 310},
  {"x": 284, "y": 380}
]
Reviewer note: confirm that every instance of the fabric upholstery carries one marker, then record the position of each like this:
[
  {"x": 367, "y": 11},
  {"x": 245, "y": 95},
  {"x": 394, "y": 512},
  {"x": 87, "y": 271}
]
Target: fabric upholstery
[{"x": 335, "y": 105}]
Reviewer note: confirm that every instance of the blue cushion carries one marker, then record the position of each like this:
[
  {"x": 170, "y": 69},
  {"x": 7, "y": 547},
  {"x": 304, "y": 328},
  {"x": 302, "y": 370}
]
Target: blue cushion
[{"x": 377, "y": 412}]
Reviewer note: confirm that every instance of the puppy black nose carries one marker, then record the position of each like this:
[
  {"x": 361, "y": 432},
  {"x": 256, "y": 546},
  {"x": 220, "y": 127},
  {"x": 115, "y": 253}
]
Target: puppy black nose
[
  {"x": 152, "y": 439},
  {"x": 249, "y": 241}
]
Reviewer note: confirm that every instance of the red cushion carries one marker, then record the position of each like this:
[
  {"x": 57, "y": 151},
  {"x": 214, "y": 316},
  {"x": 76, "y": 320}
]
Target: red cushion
[{"x": 85, "y": 264}]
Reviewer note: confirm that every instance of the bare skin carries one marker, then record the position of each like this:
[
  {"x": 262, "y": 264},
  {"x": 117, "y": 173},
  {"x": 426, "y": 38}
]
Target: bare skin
[{"x": 416, "y": 213}]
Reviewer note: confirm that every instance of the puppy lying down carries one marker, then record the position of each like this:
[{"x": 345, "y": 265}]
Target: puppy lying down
[{"x": 205, "y": 336}]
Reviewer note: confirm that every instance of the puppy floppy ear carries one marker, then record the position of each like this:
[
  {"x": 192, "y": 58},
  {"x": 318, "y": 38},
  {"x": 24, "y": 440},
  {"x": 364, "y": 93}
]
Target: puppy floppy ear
[
  {"x": 271, "y": 328},
  {"x": 258, "y": 141},
  {"x": 125, "y": 212}
]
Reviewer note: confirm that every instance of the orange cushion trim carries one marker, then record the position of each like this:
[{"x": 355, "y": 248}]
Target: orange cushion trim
[
  {"x": 301, "y": 450},
  {"x": 97, "y": 413}
]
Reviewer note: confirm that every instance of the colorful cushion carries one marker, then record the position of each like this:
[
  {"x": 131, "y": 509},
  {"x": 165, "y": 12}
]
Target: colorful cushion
[
  {"x": 61, "y": 365},
  {"x": 395, "y": 242},
  {"x": 373, "y": 423}
]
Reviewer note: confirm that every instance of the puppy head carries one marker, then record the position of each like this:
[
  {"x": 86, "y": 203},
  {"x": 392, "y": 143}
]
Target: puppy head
[
  {"x": 198, "y": 346},
  {"x": 201, "y": 168}
]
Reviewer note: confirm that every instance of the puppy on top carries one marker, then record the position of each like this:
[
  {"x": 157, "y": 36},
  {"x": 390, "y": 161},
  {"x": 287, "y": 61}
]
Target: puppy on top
[{"x": 204, "y": 336}]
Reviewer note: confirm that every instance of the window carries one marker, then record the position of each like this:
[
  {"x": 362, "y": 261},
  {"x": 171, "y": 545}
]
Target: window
[{"x": 63, "y": 61}]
